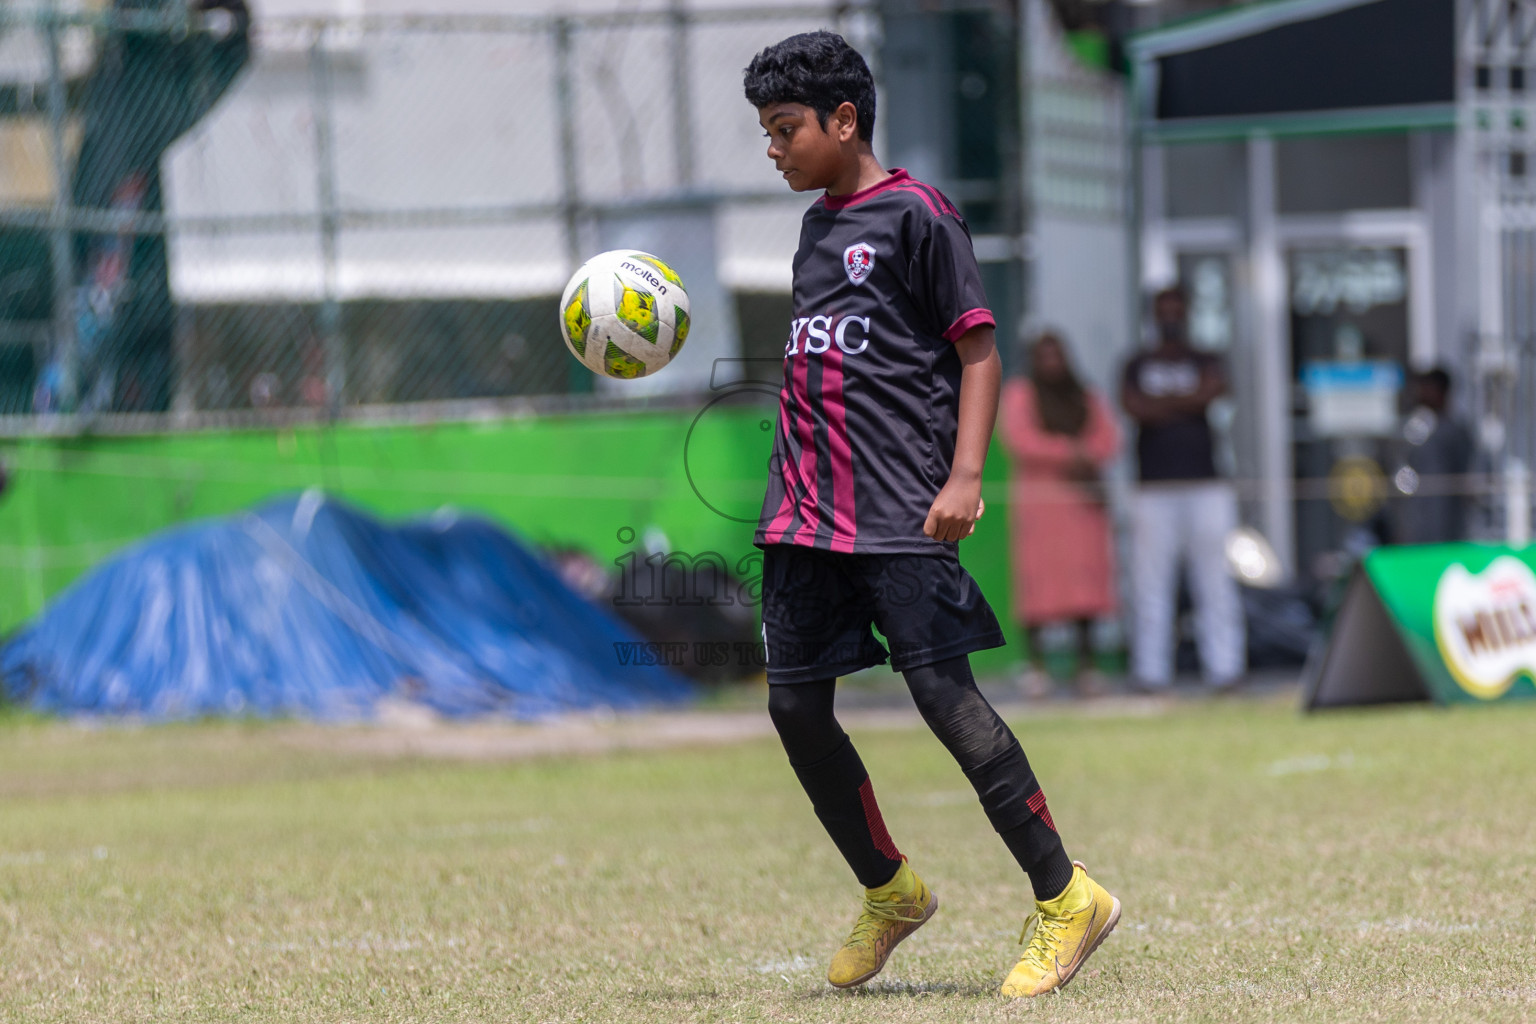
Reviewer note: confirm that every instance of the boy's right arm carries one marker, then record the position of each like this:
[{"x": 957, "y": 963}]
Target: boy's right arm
[{"x": 954, "y": 512}]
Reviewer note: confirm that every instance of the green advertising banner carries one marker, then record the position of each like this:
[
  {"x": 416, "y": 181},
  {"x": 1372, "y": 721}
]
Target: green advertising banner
[{"x": 1452, "y": 623}]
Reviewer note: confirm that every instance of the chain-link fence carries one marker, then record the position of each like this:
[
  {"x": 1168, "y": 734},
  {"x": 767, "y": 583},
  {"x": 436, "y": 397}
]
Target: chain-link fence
[{"x": 208, "y": 216}]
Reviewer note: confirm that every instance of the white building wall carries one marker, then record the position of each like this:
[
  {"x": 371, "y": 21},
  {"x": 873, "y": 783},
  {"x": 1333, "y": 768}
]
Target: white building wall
[
  {"x": 1079, "y": 165},
  {"x": 1082, "y": 282}
]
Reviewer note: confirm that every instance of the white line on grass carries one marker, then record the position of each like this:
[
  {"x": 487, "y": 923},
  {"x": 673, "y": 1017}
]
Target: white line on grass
[
  {"x": 33, "y": 857},
  {"x": 793, "y": 966},
  {"x": 1308, "y": 763}
]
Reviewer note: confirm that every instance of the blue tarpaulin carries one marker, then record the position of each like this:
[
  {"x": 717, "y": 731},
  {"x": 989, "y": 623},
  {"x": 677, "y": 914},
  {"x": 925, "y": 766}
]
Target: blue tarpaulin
[{"x": 306, "y": 607}]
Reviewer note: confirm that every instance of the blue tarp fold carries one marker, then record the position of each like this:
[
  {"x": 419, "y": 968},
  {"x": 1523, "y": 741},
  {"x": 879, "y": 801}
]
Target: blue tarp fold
[{"x": 306, "y": 607}]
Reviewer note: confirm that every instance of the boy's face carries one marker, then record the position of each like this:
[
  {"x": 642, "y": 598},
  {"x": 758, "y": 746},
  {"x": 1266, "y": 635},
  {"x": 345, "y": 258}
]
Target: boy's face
[{"x": 809, "y": 156}]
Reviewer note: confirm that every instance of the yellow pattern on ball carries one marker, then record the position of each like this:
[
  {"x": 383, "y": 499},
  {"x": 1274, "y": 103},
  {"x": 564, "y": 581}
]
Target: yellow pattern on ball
[
  {"x": 680, "y": 334},
  {"x": 618, "y": 363},
  {"x": 660, "y": 268},
  {"x": 578, "y": 320},
  {"x": 637, "y": 311}
]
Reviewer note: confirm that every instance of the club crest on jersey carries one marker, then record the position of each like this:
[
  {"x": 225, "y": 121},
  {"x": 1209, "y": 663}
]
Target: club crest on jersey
[{"x": 858, "y": 261}]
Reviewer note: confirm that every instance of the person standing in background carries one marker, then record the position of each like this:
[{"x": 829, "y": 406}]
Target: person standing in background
[
  {"x": 150, "y": 86},
  {"x": 1183, "y": 510},
  {"x": 1433, "y": 509},
  {"x": 1059, "y": 437}
]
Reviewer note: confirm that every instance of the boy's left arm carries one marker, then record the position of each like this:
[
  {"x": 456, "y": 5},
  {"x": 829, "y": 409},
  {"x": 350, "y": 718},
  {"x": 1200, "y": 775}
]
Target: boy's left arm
[{"x": 955, "y": 511}]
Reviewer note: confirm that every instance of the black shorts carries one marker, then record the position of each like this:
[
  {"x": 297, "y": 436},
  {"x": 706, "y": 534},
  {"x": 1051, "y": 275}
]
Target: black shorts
[{"x": 818, "y": 607}]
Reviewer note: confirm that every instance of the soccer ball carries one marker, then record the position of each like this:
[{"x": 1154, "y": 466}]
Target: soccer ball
[{"x": 624, "y": 314}]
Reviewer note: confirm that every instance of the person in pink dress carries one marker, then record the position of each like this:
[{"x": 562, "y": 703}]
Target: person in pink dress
[{"x": 1059, "y": 436}]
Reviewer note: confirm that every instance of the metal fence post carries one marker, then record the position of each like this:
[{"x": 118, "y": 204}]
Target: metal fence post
[
  {"x": 61, "y": 243},
  {"x": 331, "y": 336},
  {"x": 577, "y": 377},
  {"x": 682, "y": 112},
  {"x": 565, "y": 115},
  {"x": 1021, "y": 191}
]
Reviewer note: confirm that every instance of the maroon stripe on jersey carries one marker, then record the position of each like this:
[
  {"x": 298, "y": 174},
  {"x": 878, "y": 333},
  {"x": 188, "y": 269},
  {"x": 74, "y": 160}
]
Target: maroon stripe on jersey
[
  {"x": 970, "y": 318},
  {"x": 820, "y": 524},
  {"x": 878, "y": 833},
  {"x": 897, "y": 177},
  {"x": 844, "y": 525},
  {"x": 938, "y": 197},
  {"x": 807, "y": 509},
  {"x": 933, "y": 207},
  {"x": 775, "y": 529}
]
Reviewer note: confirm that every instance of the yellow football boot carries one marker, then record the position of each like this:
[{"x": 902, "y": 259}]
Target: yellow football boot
[
  {"x": 1067, "y": 931},
  {"x": 891, "y": 913}
]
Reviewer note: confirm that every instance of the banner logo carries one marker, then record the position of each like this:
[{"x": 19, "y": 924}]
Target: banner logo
[{"x": 1485, "y": 625}]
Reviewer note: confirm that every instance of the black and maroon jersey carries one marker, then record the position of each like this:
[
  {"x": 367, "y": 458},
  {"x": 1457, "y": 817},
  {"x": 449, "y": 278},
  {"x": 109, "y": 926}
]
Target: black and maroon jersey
[{"x": 885, "y": 283}]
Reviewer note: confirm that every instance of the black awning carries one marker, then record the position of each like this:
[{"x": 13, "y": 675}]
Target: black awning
[{"x": 1302, "y": 57}]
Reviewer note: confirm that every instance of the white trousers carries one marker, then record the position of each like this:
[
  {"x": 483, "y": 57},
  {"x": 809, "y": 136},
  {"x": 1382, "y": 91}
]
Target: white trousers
[{"x": 1185, "y": 523}]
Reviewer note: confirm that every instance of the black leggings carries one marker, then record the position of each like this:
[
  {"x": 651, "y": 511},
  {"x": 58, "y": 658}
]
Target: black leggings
[{"x": 981, "y": 742}]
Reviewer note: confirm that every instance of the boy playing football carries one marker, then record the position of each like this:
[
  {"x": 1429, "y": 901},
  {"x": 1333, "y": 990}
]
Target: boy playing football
[{"x": 891, "y": 381}]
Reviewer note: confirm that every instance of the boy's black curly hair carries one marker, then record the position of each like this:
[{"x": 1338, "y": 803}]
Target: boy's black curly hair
[{"x": 818, "y": 69}]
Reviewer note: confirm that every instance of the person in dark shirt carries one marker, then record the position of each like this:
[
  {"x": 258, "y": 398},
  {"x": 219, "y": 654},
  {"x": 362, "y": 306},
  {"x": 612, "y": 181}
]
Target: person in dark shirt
[
  {"x": 1183, "y": 511},
  {"x": 1433, "y": 480},
  {"x": 149, "y": 87},
  {"x": 891, "y": 381}
]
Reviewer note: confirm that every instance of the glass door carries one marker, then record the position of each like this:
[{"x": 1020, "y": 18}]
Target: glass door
[{"x": 1350, "y": 339}]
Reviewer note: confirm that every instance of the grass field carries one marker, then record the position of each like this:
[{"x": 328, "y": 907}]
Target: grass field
[{"x": 1354, "y": 866}]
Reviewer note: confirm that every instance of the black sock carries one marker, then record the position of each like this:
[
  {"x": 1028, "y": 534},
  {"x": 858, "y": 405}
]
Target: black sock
[
  {"x": 993, "y": 761},
  {"x": 834, "y": 778},
  {"x": 1041, "y": 856},
  {"x": 844, "y": 801},
  {"x": 1016, "y": 806}
]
